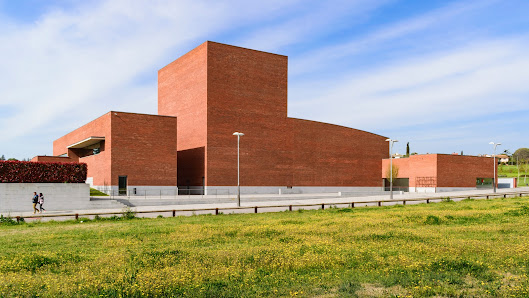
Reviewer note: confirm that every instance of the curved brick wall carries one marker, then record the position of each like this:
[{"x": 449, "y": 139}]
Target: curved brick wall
[{"x": 332, "y": 155}]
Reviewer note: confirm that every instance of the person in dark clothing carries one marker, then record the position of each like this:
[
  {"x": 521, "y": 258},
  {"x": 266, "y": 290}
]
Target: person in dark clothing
[{"x": 35, "y": 202}]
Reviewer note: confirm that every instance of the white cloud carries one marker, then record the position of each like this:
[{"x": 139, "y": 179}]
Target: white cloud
[
  {"x": 71, "y": 66},
  {"x": 312, "y": 21},
  {"x": 322, "y": 57},
  {"x": 88, "y": 60},
  {"x": 465, "y": 82}
]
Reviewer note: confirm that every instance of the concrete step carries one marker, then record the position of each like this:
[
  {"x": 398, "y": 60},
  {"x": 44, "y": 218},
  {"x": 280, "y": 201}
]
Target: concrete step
[
  {"x": 154, "y": 202},
  {"x": 103, "y": 203},
  {"x": 364, "y": 193}
]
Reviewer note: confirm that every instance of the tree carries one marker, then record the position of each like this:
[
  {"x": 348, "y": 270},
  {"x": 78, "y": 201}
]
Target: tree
[
  {"x": 408, "y": 149},
  {"x": 524, "y": 166},
  {"x": 521, "y": 154},
  {"x": 395, "y": 174},
  {"x": 13, "y": 159},
  {"x": 2, "y": 157}
]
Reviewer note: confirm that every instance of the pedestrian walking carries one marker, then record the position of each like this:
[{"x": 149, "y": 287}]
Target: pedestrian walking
[
  {"x": 35, "y": 202},
  {"x": 41, "y": 203}
]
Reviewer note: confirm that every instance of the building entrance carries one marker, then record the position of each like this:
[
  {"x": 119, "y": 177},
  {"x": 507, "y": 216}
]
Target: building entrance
[{"x": 122, "y": 185}]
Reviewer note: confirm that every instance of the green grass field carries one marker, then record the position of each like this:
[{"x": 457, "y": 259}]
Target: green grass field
[
  {"x": 476, "y": 248},
  {"x": 510, "y": 171}
]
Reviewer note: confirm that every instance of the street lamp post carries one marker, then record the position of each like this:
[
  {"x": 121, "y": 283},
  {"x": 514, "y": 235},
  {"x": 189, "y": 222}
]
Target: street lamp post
[
  {"x": 494, "y": 155},
  {"x": 238, "y": 134},
  {"x": 391, "y": 167}
]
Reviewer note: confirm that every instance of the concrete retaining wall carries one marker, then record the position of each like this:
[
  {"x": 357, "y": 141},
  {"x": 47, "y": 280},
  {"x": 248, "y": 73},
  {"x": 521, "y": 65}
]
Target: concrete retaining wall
[
  {"x": 212, "y": 190},
  {"x": 57, "y": 196},
  {"x": 232, "y": 190},
  {"x": 439, "y": 189}
]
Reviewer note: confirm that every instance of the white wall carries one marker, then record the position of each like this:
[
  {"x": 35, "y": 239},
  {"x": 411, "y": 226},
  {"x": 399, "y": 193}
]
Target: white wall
[
  {"x": 506, "y": 182},
  {"x": 16, "y": 197}
]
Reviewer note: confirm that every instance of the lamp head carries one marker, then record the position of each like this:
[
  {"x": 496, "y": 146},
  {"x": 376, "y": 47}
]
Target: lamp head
[
  {"x": 495, "y": 144},
  {"x": 238, "y": 133}
]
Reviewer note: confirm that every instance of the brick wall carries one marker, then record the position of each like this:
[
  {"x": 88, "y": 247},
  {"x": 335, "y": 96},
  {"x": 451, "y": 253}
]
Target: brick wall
[
  {"x": 182, "y": 92},
  {"x": 45, "y": 158},
  {"x": 247, "y": 92},
  {"x": 144, "y": 149},
  {"x": 462, "y": 171},
  {"x": 141, "y": 147},
  {"x": 217, "y": 89},
  {"x": 448, "y": 170},
  {"x": 99, "y": 166},
  {"x": 332, "y": 155}
]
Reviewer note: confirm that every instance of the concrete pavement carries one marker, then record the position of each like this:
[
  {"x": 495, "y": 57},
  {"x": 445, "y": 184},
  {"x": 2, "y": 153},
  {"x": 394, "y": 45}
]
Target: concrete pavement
[{"x": 265, "y": 203}]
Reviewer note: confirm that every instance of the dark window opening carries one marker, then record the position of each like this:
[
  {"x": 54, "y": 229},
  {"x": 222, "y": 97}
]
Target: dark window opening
[
  {"x": 399, "y": 184},
  {"x": 90, "y": 150},
  {"x": 122, "y": 185},
  {"x": 483, "y": 182}
]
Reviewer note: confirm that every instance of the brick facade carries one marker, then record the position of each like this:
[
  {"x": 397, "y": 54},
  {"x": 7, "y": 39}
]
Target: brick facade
[
  {"x": 454, "y": 171},
  {"x": 45, "y": 158},
  {"x": 211, "y": 92},
  {"x": 217, "y": 89},
  {"x": 332, "y": 155},
  {"x": 141, "y": 147},
  {"x": 99, "y": 167}
]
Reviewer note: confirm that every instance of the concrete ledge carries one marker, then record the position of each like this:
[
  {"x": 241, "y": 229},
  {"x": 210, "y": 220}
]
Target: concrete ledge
[
  {"x": 57, "y": 196},
  {"x": 439, "y": 189},
  {"x": 229, "y": 190},
  {"x": 139, "y": 190}
]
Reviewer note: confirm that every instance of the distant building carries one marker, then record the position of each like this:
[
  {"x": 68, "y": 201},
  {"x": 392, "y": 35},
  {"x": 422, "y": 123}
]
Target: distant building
[
  {"x": 441, "y": 172},
  {"x": 503, "y": 158}
]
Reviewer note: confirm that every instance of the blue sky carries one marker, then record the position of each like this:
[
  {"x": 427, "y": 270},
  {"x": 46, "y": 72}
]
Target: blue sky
[{"x": 446, "y": 76}]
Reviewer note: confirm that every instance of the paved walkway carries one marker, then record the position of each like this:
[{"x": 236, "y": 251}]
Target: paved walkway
[{"x": 266, "y": 203}]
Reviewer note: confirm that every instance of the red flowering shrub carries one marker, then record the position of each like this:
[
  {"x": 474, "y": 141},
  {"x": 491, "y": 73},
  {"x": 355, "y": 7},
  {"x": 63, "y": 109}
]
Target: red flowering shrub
[{"x": 42, "y": 172}]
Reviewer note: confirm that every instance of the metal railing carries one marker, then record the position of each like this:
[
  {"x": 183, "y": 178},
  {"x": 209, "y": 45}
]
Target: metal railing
[
  {"x": 166, "y": 193},
  {"x": 289, "y": 207},
  {"x": 397, "y": 188},
  {"x": 142, "y": 193}
]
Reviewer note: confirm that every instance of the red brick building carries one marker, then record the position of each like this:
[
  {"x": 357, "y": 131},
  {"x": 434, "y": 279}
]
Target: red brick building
[
  {"x": 216, "y": 89},
  {"x": 441, "y": 172},
  {"x": 135, "y": 149},
  {"x": 203, "y": 98}
]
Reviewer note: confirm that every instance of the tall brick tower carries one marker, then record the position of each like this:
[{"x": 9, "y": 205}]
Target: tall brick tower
[{"x": 215, "y": 90}]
